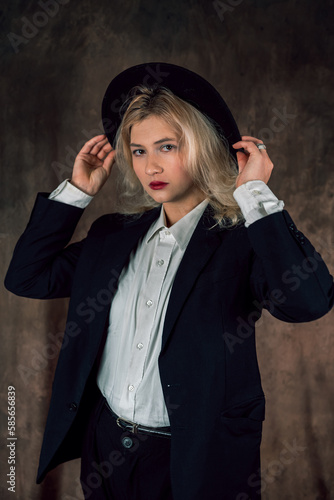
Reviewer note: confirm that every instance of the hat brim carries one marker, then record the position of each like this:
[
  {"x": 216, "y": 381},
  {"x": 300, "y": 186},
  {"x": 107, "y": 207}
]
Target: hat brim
[{"x": 184, "y": 83}]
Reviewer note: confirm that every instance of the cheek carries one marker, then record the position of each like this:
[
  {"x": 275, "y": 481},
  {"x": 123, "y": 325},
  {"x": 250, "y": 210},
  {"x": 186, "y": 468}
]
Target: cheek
[{"x": 185, "y": 178}]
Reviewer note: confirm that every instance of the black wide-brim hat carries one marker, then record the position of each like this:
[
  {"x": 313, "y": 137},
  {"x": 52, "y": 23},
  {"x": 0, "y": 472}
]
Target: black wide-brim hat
[{"x": 184, "y": 83}]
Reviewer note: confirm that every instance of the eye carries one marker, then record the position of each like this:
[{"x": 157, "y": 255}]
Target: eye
[
  {"x": 168, "y": 147},
  {"x": 138, "y": 152}
]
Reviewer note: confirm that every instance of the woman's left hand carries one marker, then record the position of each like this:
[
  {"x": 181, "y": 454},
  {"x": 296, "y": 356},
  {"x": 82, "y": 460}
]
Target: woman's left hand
[{"x": 254, "y": 164}]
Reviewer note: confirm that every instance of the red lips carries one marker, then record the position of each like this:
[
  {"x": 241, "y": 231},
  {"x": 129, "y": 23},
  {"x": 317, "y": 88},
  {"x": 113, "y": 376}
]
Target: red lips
[{"x": 158, "y": 185}]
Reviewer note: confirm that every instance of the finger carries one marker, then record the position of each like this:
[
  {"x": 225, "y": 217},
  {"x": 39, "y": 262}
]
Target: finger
[
  {"x": 251, "y": 138},
  {"x": 242, "y": 156},
  {"x": 99, "y": 146},
  {"x": 104, "y": 151},
  {"x": 91, "y": 143},
  {"x": 242, "y": 160},
  {"x": 249, "y": 147},
  {"x": 109, "y": 161},
  {"x": 91, "y": 160}
]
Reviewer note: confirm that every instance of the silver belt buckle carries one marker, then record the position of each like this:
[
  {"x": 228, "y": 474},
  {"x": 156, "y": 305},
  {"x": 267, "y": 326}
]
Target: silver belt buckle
[{"x": 134, "y": 426}]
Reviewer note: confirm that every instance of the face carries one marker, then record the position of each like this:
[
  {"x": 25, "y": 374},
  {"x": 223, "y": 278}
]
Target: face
[{"x": 158, "y": 163}]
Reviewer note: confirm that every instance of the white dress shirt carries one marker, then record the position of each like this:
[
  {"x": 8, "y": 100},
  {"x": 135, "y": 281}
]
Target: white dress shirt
[{"x": 128, "y": 375}]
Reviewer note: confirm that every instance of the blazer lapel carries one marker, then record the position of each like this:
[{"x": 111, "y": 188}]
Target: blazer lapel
[
  {"x": 202, "y": 245},
  {"x": 119, "y": 243},
  {"x": 117, "y": 248},
  {"x": 114, "y": 253}
]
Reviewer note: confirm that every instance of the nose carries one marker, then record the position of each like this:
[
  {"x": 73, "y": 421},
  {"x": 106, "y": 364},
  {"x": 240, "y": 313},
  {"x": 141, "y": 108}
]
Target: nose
[{"x": 152, "y": 166}]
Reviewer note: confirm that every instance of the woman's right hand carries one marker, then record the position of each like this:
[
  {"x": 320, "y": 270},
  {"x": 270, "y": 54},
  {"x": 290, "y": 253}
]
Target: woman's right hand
[{"x": 93, "y": 165}]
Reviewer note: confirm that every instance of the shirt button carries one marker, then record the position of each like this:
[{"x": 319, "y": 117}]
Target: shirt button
[
  {"x": 131, "y": 387},
  {"x": 167, "y": 232},
  {"x": 140, "y": 345},
  {"x": 255, "y": 191},
  {"x": 149, "y": 303},
  {"x": 160, "y": 262}
]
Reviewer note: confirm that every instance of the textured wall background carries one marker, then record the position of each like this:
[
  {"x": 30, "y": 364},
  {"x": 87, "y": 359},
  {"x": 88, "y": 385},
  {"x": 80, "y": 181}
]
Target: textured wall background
[{"x": 270, "y": 59}]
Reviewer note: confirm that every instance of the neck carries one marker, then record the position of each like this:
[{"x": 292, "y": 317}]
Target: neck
[{"x": 175, "y": 212}]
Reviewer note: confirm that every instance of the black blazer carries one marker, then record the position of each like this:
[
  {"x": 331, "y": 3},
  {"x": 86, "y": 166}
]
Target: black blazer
[{"x": 208, "y": 365}]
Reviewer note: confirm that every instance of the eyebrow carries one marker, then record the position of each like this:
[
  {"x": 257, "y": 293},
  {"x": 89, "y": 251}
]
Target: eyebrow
[{"x": 165, "y": 139}]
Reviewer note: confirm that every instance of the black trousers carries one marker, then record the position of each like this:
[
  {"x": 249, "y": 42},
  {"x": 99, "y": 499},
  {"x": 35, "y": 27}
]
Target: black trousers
[{"x": 115, "y": 468}]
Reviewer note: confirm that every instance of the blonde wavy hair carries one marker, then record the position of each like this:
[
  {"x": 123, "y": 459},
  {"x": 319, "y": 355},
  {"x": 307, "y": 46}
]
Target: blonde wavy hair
[{"x": 206, "y": 157}]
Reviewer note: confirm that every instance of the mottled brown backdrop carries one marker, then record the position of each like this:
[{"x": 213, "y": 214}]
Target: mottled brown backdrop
[{"x": 271, "y": 60}]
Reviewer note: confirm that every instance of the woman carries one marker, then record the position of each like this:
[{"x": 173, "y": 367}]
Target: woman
[{"x": 165, "y": 399}]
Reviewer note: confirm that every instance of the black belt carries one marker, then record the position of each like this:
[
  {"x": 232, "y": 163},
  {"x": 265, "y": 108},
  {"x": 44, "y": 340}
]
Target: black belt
[{"x": 139, "y": 429}]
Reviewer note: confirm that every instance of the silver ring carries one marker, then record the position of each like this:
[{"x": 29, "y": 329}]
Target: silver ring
[{"x": 261, "y": 146}]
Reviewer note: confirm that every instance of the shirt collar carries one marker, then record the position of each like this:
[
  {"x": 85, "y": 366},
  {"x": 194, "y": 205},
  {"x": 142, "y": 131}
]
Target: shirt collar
[{"x": 183, "y": 229}]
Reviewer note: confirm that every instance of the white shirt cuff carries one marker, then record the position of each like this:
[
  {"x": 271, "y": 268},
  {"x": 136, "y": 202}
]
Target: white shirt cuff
[
  {"x": 256, "y": 201},
  {"x": 71, "y": 195}
]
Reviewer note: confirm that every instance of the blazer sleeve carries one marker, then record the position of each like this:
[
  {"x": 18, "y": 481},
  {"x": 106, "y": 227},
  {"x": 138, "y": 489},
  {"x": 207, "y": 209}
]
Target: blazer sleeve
[
  {"x": 41, "y": 266},
  {"x": 289, "y": 277}
]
